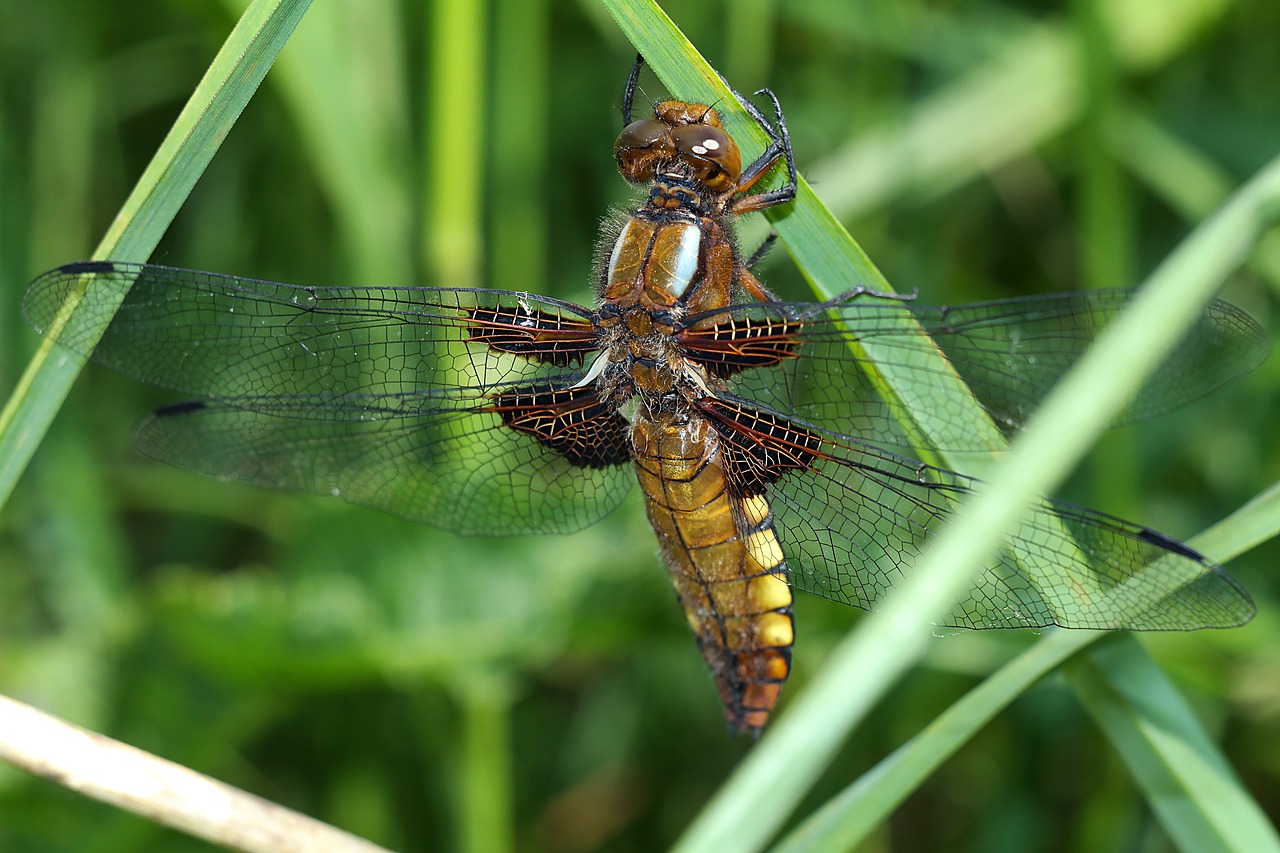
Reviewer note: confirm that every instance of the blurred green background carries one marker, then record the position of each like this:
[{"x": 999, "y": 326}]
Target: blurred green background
[{"x": 431, "y": 692}]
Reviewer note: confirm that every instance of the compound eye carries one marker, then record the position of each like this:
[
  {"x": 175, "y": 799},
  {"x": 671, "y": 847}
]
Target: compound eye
[
  {"x": 643, "y": 133},
  {"x": 711, "y": 152},
  {"x": 640, "y": 145}
]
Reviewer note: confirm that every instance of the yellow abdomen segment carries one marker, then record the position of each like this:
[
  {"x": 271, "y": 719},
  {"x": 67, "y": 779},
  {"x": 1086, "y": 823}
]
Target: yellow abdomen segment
[{"x": 725, "y": 560}]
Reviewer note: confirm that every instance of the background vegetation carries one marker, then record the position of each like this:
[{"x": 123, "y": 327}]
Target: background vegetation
[{"x": 543, "y": 694}]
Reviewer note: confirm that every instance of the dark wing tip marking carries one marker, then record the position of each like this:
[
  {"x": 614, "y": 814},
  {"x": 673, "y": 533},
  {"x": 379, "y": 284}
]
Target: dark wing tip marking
[
  {"x": 88, "y": 267},
  {"x": 186, "y": 407},
  {"x": 1168, "y": 543}
]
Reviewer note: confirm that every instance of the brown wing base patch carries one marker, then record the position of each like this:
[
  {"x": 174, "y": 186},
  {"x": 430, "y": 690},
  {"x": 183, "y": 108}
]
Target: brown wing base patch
[
  {"x": 758, "y": 447},
  {"x": 536, "y": 335},
  {"x": 571, "y": 421},
  {"x": 736, "y": 344}
]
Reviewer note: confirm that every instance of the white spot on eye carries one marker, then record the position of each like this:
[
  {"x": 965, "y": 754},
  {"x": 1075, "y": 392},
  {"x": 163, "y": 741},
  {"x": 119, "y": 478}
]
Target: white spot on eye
[{"x": 706, "y": 146}]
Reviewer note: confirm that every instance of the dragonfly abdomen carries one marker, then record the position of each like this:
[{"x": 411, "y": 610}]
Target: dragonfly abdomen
[{"x": 725, "y": 561}]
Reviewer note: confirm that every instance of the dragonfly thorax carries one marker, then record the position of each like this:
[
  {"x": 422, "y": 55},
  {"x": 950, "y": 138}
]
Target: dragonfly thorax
[
  {"x": 649, "y": 365},
  {"x": 676, "y": 191},
  {"x": 654, "y": 262}
]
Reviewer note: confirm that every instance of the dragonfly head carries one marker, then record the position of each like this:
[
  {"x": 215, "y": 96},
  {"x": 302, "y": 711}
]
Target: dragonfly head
[{"x": 681, "y": 139}]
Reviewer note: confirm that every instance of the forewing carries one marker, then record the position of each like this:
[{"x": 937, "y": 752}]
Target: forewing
[
  {"x": 804, "y": 358},
  {"x": 387, "y": 397},
  {"x": 1012, "y": 352},
  {"x": 221, "y": 336}
]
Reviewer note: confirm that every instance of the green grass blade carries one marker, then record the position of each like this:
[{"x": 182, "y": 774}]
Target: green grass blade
[
  {"x": 199, "y": 130},
  {"x": 848, "y": 818},
  {"x": 520, "y": 133},
  {"x": 343, "y": 81},
  {"x": 1193, "y": 790},
  {"x": 1253, "y": 524},
  {"x": 453, "y": 244},
  {"x": 485, "y": 811}
]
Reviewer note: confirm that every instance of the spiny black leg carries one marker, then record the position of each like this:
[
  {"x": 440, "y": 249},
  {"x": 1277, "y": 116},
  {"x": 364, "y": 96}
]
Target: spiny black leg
[
  {"x": 784, "y": 137},
  {"x": 780, "y": 146},
  {"x": 755, "y": 113},
  {"x": 629, "y": 95},
  {"x": 758, "y": 255}
]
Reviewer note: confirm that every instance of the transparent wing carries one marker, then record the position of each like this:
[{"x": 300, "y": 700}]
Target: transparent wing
[
  {"x": 220, "y": 336},
  {"x": 387, "y": 397},
  {"x": 1010, "y": 354},
  {"x": 461, "y": 471},
  {"x": 852, "y": 520}
]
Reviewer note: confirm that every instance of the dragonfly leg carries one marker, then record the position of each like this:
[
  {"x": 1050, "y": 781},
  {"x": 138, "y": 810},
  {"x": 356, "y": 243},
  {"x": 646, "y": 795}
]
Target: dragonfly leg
[
  {"x": 758, "y": 255},
  {"x": 629, "y": 94},
  {"x": 755, "y": 287},
  {"x": 779, "y": 148}
]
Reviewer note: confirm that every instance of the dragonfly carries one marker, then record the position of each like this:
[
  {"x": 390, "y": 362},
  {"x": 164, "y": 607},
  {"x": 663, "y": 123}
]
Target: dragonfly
[{"x": 768, "y": 460}]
